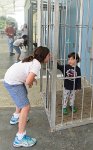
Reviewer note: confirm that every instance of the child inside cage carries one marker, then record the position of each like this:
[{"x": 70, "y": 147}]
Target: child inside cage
[
  {"x": 72, "y": 81},
  {"x": 17, "y": 45}
]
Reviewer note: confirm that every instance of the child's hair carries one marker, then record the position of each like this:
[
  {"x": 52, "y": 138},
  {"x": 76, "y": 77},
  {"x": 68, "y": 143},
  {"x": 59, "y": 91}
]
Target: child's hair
[
  {"x": 24, "y": 37},
  {"x": 75, "y": 56},
  {"x": 40, "y": 54}
]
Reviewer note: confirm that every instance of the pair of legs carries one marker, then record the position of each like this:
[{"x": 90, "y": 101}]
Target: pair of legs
[
  {"x": 19, "y": 96},
  {"x": 68, "y": 94},
  {"x": 18, "y": 52},
  {"x": 10, "y": 45}
]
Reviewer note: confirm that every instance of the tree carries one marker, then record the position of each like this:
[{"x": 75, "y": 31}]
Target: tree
[
  {"x": 7, "y": 20},
  {"x": 2, "y": 22}
]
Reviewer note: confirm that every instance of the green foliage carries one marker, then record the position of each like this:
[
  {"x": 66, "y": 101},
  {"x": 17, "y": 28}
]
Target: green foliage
[
  {"x": 2, "y": 22},
  {"x": 7, "y": 20}
]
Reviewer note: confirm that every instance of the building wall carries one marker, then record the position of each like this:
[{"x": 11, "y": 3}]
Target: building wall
[{"x": 86, "y": 38}]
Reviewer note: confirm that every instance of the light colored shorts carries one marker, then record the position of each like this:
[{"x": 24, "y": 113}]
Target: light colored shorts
[
  {"x": 18, "y": 94},
  {"x": 17, "y": 49}
]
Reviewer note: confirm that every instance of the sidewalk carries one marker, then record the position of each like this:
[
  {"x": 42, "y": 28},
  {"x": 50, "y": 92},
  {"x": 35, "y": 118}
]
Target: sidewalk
[{"x": 78, "y": 138}]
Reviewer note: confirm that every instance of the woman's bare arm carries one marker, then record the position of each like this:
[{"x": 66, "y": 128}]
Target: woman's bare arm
[{"x": 30, "y": 79}]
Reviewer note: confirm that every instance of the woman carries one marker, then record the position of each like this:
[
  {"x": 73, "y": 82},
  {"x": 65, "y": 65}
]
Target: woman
[{"x": 17, "y": 76}]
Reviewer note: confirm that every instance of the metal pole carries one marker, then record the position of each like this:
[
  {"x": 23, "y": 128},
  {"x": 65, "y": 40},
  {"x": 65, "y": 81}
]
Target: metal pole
[
  {"x": 39, "y": 12},
  {"x": 80, "y": 29},
  {"x": 65, "y": 28},
  {"x": 39, "y": 34},
  {"x": 91, "y": 72},
  {"x": 54, "y": 70}
]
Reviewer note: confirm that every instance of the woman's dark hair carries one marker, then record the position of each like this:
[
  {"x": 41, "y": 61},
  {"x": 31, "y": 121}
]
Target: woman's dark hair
[
  {"x": 40, "y": 54},
  {"x": 75, "y": 56}
]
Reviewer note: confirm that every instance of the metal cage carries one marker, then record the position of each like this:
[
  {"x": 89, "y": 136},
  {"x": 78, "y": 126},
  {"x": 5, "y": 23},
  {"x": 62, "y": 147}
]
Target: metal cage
[{"x": 66, "y": 26}]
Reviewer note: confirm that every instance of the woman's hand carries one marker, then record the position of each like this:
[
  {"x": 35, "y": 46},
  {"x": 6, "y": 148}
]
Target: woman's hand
[
  {"x": 30, "y": 86},
  {"x": 30, "y": 79},
  {"x": 35, "y": 81}
]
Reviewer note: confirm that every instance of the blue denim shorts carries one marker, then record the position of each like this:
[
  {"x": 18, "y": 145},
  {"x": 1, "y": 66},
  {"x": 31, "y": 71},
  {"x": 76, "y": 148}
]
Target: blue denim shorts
[
  {"x": 18, "y": 93},
  {"x": 17, "y": 49}
]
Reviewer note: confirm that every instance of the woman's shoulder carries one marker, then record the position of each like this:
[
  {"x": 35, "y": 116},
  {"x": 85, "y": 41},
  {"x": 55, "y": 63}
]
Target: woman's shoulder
[{"x": 36, "y": 63}]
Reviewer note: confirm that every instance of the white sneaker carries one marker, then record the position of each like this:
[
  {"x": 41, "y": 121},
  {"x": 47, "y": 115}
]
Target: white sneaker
[
  {"x": 26, "y": 141},
  {"x": 14, "y": 120}
]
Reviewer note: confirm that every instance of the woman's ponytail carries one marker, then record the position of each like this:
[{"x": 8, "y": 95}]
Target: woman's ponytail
[
  {"x": 40, "y": 54},
  {"x": 28, "y": 59}
]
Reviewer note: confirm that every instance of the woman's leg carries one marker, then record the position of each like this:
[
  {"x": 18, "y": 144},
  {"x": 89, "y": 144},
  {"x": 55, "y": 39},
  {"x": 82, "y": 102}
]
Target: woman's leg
[
  {"x": 15, "y": 117},
  {"x": 23, "y": 119},
  {"x": 21, "y": 138},
  {"x": 17, "y": 111}
]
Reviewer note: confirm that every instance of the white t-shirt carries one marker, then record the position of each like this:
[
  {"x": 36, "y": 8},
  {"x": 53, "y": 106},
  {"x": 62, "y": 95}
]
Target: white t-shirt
[
  {"x": 18, "y": 42},
  {"x": 18, "y": 72}
]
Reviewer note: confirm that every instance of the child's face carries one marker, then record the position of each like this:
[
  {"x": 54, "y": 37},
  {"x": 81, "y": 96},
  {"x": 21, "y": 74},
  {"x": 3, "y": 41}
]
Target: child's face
[{"x": 71, "y": 61}]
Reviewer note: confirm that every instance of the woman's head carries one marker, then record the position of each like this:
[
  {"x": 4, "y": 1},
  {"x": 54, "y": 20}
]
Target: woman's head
[{"x": 42, "y": 54}]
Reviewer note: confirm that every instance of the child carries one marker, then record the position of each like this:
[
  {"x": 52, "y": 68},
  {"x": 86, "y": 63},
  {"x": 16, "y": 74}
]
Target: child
[
  {"x": 25, "y": 35},
  {"x": 17, "y": 76},
  {"x": 17, "y": 45},
  {"x": 70, "y": 84}
]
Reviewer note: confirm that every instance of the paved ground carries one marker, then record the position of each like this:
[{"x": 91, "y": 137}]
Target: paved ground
[{"x": 78, "y": 138}]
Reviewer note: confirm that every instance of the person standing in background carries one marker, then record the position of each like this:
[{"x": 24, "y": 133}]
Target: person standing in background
[
  {"x": 25, "y": 35},
  {"x": 17, "y": 45},
  {"x": 10, "y": 32}
]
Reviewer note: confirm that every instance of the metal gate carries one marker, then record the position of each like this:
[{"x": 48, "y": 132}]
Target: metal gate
[{"x": 66, "y": 26}]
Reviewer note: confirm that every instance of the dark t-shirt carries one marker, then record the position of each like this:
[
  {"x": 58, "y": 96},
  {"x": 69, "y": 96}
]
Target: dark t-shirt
[{"x": 69, "y": 71}]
